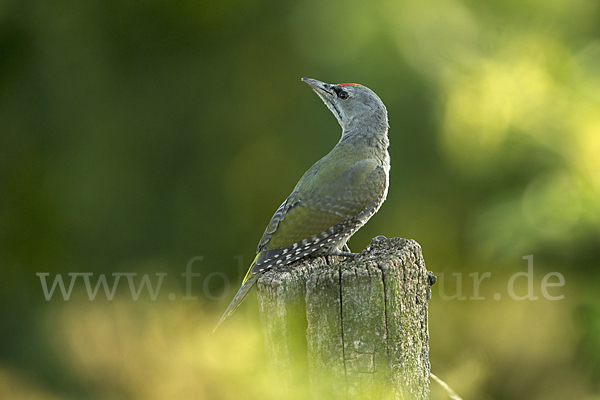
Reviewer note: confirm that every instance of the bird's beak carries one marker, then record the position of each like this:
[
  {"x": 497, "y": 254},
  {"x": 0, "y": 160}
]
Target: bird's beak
[
  {"x": 327, "y": 94},
  {"x": 320, "y": 87}
]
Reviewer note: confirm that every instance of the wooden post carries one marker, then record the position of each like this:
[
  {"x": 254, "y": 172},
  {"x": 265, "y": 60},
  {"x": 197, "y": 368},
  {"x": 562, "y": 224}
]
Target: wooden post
[{"x": 350, "y": 329}]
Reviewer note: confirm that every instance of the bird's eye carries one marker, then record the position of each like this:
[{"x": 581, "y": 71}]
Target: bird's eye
[{"x": 342, "y": 95}]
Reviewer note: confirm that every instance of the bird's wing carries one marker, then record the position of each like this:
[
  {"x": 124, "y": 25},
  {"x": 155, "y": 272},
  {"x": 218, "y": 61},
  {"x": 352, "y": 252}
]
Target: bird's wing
[{"x": 323, "y": 201}]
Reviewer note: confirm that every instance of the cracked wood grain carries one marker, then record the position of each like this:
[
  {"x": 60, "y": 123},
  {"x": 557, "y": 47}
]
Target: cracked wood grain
[{"x": 350, "y": 329}]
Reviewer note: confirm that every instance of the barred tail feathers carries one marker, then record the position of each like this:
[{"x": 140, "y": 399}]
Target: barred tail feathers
[
  {"x": 325, "y": 240},
  {"x": 247, "y": 284}
]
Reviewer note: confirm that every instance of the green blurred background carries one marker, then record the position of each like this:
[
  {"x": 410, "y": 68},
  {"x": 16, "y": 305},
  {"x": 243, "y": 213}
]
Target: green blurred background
[{"x": 135, "y": 136}]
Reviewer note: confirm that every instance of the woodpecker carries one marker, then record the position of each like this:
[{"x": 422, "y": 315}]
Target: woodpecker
[{"x": 337, "y": 195}]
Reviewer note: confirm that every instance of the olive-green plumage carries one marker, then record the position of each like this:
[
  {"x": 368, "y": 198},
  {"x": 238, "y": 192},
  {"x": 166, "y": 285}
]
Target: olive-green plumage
[{"x": 337, "y": 195}]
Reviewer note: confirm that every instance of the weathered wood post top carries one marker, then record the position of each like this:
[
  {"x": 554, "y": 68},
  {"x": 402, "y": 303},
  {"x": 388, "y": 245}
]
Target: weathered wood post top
[{"x": 350, "y": 329}]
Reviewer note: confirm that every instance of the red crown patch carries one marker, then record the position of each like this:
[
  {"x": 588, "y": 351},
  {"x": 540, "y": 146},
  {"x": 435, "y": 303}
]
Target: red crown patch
[{"x": 348, "y": 84}]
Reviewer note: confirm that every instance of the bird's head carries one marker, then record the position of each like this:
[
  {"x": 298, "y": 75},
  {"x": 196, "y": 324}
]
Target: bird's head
[{"x": 356, "y": 107}]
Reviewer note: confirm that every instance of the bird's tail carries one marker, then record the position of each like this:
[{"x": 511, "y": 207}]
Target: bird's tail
[{"x": 249, "y": 281}]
